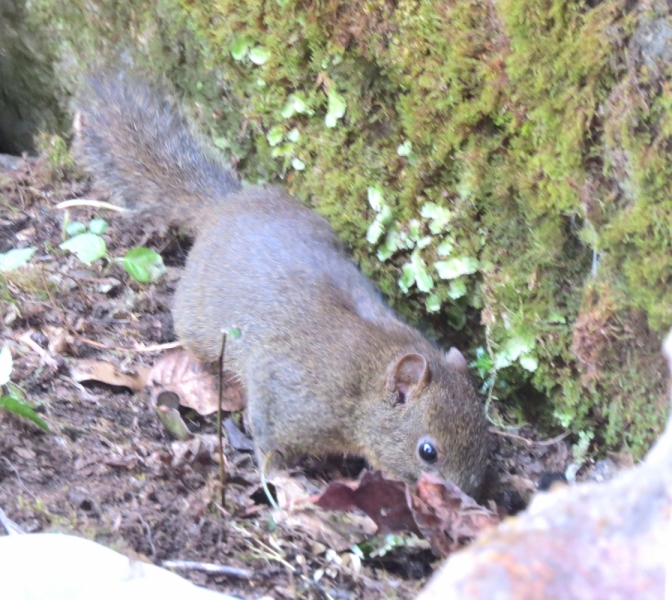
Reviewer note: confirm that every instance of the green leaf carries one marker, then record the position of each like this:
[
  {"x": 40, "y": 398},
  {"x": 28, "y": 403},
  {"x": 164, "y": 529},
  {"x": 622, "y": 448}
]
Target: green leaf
[
  {"x": 404, "y": 149},
  {"x": 294, "y": 135},
  {"x": 75, "y": 228},
  {"x": 446, "y": 247},
  {"x": 375, "y": 230},
  {"x": 375, "y": 197},
  {"x": 296, "y": 103},
  {"x": 502, "y": 360},
  {"x": 433, "y": 303},
  {"x": 555, "y": 318},
  {"x": 517, "y": 346},
  {"x": 414, "y": 230},
  {"x": 457, "y": 289},
  {"x": 15, "y": 258},
  {"x": 23, "y": 409},
  {"x": 389, "y": 246},
  {"x": 407, "y": 278},
  {"x": 240, "y": 47},
  {"x": 379, "y": 225},
  {"x": 335, "y": 109},
  {"x": 298, "y": 164},
  {"x": 288, "y": 109},
  {"x": 423, "y": 279},
  {"x": 259, "y": 55},
  {"x": 98, "y": 226},
  {"x": 439, "y": 216},
  {"x": 282, "y": 150},
  {"x": 455, "y": 267},
  {"x": 423, "y": 242},
  {"x": 221, "y": 142},
  {"x": 529, "y": 362},
  {"x": 144, "y": 265},
  {"x": 275, "y": 135},
  {"x": 87, "y": 246},
  {"x": 234, "y": 333},
  {"x": 6, "y": 365}
]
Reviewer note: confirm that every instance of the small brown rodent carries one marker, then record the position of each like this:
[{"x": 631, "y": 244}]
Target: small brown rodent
[{"x": 327, "y": 367}]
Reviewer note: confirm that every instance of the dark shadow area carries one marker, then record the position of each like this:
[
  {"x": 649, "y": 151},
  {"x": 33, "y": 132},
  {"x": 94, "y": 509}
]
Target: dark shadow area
[{"x": 28, "y": 90}]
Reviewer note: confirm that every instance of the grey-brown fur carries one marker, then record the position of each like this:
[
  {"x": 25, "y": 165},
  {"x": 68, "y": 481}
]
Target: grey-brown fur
[{"x": 327, "y": 367}]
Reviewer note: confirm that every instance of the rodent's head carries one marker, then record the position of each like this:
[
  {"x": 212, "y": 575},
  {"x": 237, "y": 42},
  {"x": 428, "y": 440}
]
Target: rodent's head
[{"x": 430, "y": 419}]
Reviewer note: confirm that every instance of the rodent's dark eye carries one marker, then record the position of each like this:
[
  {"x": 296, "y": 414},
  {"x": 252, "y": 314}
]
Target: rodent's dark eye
[{"x": 427, "y": 451}]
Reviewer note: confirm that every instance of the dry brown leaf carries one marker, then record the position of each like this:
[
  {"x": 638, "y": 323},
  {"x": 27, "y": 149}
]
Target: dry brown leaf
[
  {"x": 440, "y": 512},
  {"x": 195, "y": 383},
  {"x": 446, "y": 516},
  {"x": 60, "y": 340},
  {"x": 384, "y": 500},
  {"x": 106, "y": 372},
  {"x": 201, "y": 449}
]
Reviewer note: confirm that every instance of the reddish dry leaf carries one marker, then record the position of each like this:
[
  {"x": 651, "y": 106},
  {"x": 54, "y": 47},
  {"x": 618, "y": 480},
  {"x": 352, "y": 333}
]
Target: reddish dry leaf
[
  {"x": 195, "y": 383},
  {"x": 384, "y": 500},
  {"x": 446, "y": 516},
  {"x": 106, "y": 372},
  {"x": 440, "y": 512}
]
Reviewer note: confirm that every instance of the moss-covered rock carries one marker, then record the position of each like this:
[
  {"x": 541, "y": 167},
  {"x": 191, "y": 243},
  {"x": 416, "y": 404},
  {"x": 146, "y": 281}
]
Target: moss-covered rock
[{"x": 499, "y": 168}]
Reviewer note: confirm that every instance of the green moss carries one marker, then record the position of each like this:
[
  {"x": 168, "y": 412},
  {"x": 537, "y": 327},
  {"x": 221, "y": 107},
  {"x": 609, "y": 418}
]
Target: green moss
[{"x": 525, "y": 119}]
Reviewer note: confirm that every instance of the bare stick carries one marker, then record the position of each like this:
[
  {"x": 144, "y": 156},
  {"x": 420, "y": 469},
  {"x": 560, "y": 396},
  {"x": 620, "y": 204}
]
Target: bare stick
[
  {"x": 209, "y": 568},
  {"x": 10, "y": 526},
  {"x": 156, "y": 347},
  {"x": 18, "y": 478},
  {"x": 220, "y": 439},
  {"x": 92, "y": 203}
]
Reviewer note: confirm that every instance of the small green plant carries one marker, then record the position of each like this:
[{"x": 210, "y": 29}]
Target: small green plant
[
  {"x": 335, "y": 109},
  {"x": 142, "y": 264},
  {"x": 15, "y": 258},
  {"x": 380, "y": 545},
  {"x": 242, "y": 47},
  {"x": 11, "y": 401}
]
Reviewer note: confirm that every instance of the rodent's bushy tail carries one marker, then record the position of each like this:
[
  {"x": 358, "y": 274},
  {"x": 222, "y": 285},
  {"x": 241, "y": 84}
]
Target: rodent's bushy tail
[{"x": 137, "y": 144}]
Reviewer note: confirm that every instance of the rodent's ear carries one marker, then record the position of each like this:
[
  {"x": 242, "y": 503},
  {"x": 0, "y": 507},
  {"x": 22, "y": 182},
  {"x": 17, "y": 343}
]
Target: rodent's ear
[
  {"x": 455, "y": 360},
  {"x": 410, "y": 371}
]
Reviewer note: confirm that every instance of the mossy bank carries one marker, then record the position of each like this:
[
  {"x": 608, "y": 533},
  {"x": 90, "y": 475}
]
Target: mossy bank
[{"x": 500, "y": 169}]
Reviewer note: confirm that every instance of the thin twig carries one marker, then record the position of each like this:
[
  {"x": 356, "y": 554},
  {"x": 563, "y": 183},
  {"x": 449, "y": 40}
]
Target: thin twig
[
  {"x": 148, "y": 532},
  {"x": 549, "y": 442},
  {"x": 220, "y": 437},
  {"x": 209, "y": 568},
  {"x": 156, "y": 347},
  {"x": 10, "y": 526},
  {"x": 18, "y": 477},
  {"x": 94, "y": 204},
  {"x": 262, "y": 549},
  {"x": 46, "y": 358}
]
